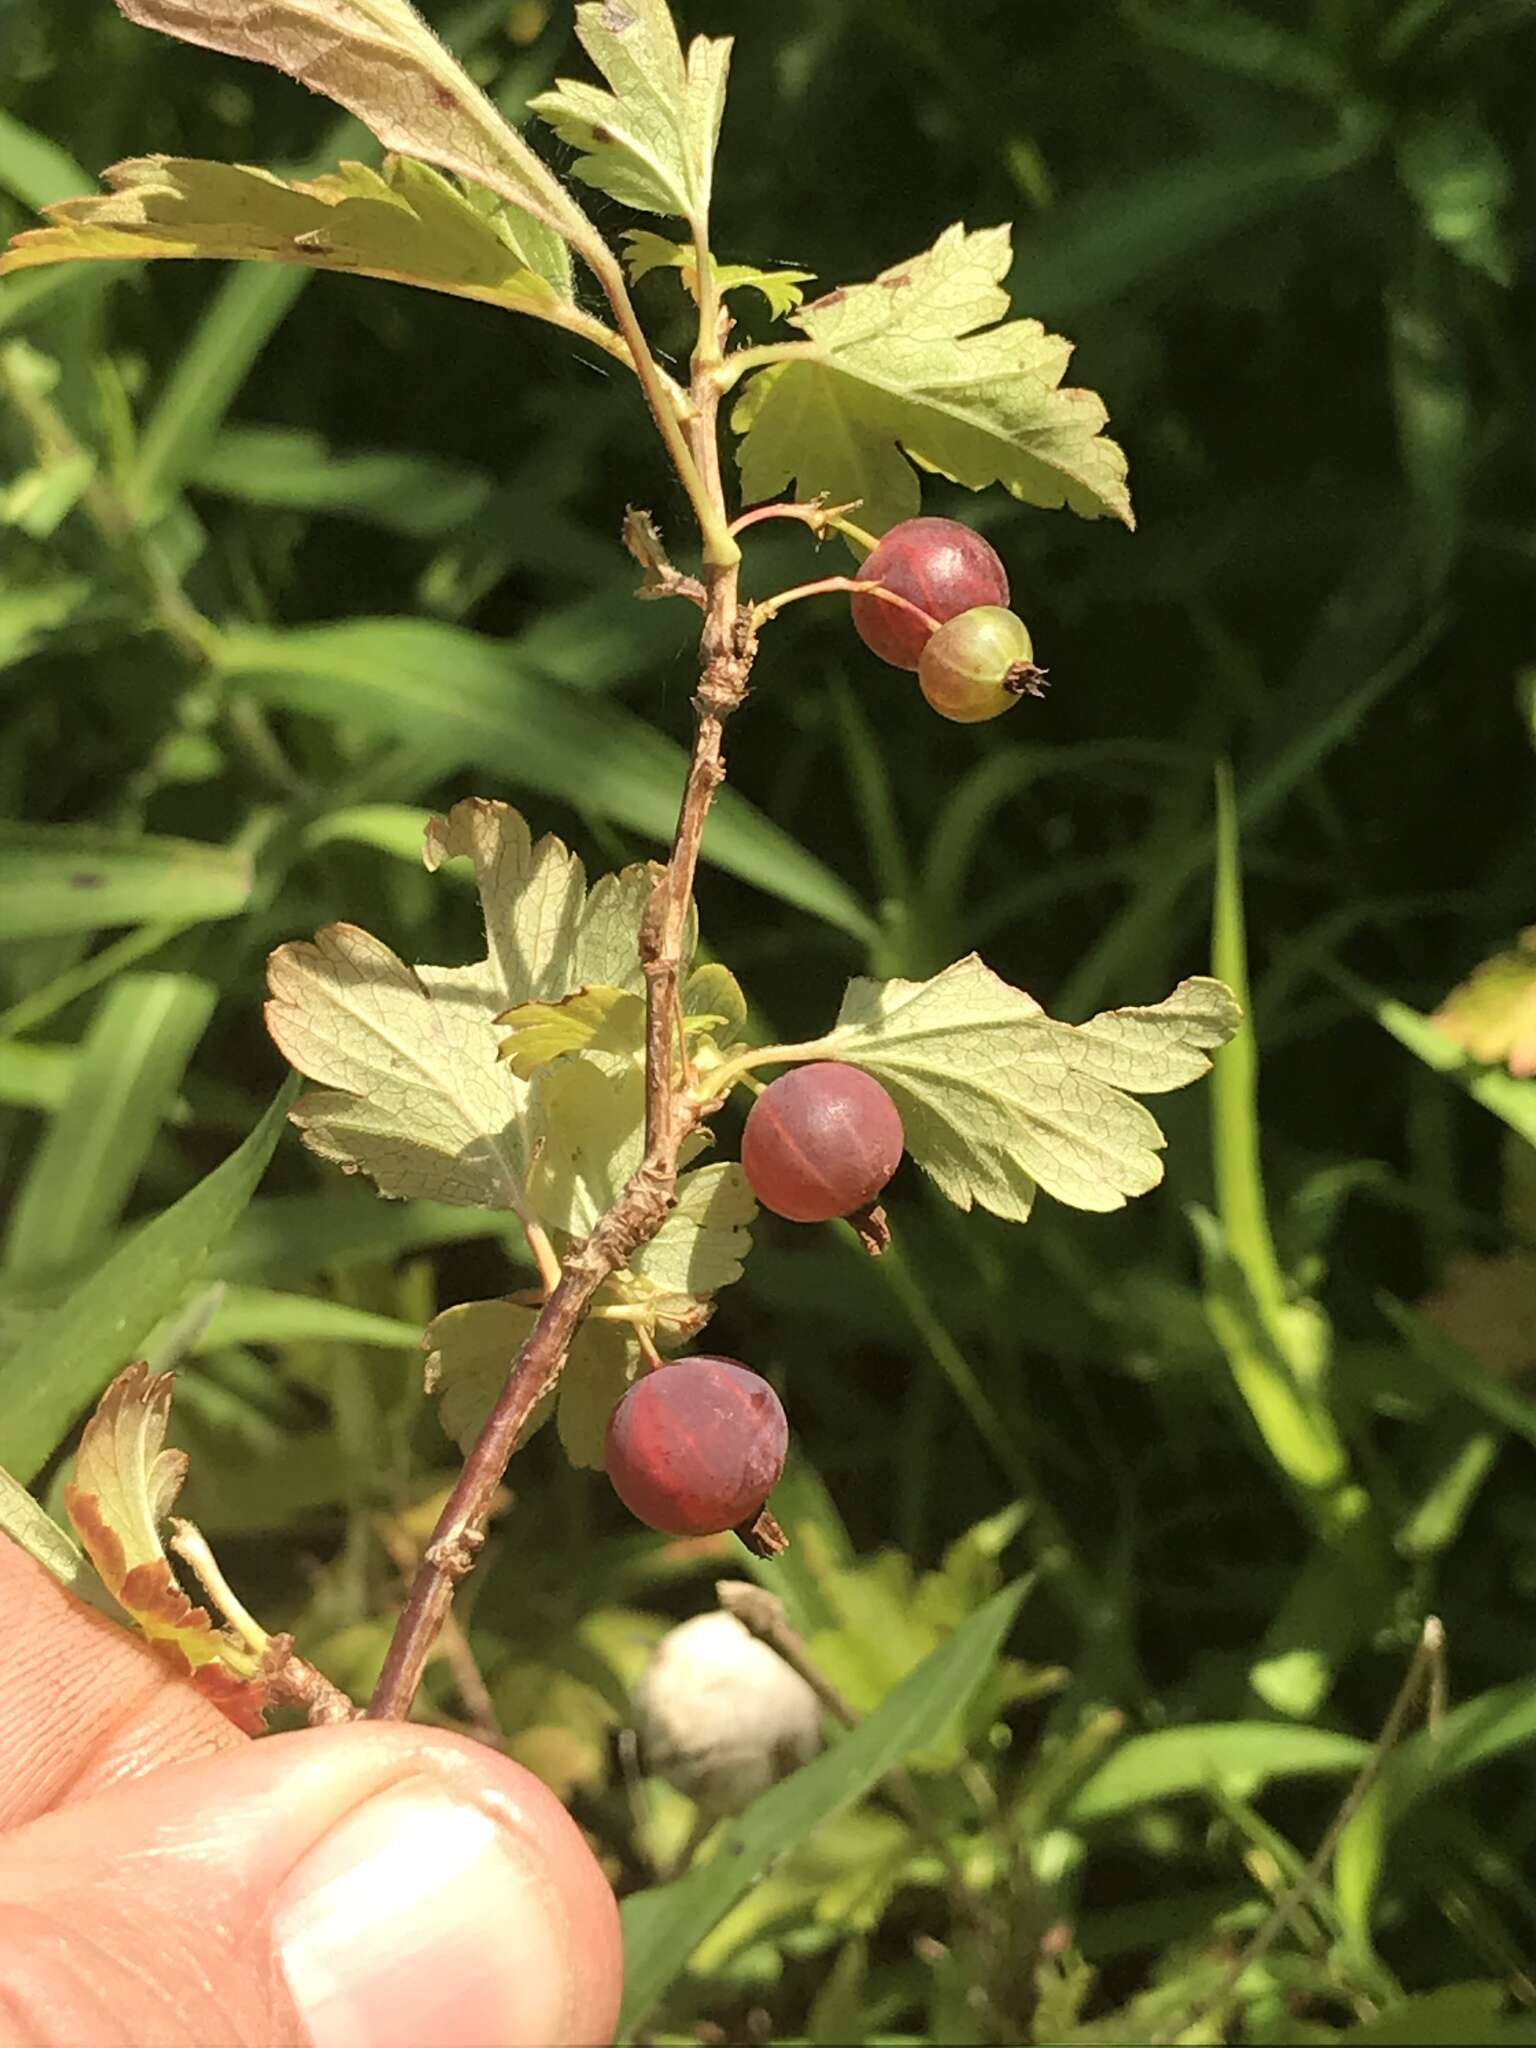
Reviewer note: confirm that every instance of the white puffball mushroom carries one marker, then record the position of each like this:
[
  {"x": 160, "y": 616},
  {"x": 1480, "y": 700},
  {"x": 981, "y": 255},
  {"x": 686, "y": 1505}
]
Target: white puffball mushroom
[{"x": 722, "y": 1717}]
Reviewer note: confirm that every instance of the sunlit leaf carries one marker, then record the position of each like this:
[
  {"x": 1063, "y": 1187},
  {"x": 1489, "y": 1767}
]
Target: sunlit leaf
[
  {"x": 585, "y": 1123},
  {"x": 405, "y": 222},
  {"x": 914, "y": 365},
  {"x": 645, "y": 252},
  {"x": 650, "y": 142},
  {"x": 413, "y": 1093},
  {"x": 471, "y": 1350},
  {"x": 995, "y": 1096},
  {"x": 379, "y": 59},
  {"x": 701, "y": 1246},
  {"x": 594, "y": 1019}
]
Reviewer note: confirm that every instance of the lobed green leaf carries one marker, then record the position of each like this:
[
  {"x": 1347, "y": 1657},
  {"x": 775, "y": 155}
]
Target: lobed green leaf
[
  {"x": 413, "y": 1094},
  {"x": 912, "y": 365},
  {"x": 381, "y": 61},
  {"x": 645, "y": 252},
  {"x": 471, "y": 1350},
  {"x": 997, "y": 1097},
  {"x": 404, "y": 222},
  {"x": 650, "y": 142}
]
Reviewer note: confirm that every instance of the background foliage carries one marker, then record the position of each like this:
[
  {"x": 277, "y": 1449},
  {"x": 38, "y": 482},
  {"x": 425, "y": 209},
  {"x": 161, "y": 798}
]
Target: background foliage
[{"x": 1288, "y": 242}]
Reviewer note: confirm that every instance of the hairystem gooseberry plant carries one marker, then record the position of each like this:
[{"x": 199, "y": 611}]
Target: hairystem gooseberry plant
[{"x": 569, "y": 1075}]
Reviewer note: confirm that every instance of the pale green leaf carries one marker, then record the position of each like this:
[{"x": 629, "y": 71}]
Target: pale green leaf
[
  {"x": 608, "y": 943},
  {"x": 712, "y": 999},
  {"x": 913, "y": 365},
  {"x": 646, "y": 252},
  {"x": 595, "y": 1019},
  {"x": 586, "y": 1128},
  {"x": 381, "y": 61},
  {"x": 650, "y": 142},
  {"x": 470, "y": 1351},
  {"x": 995, "y": 1096},
  {"x": 604, "y": 1359},
  {"x": 406, "y": 223},
  {"x": 414, "y": 1094},
  {"x": 701, "y": 1246},
  {"x": 472, "y": 1348}
]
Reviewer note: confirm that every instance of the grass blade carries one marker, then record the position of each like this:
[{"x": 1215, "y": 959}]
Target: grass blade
[
  {"x": 663, "y": 1926},
  {"x": 69, "y": 1358},
  {"x": 83, "y": 878}
]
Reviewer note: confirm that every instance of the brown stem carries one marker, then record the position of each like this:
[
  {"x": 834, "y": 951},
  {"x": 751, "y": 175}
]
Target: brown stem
[
  {"x": 457, "y": 1652},
  {"x": 726, "y": 647},
  {"x": 294, "y": 1682}
]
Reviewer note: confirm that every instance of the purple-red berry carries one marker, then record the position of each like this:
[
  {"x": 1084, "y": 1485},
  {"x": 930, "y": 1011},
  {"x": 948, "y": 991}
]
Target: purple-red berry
[
  {"x": 938, "y": 565},
  {"x": 697, "y": 1446},
  {"x": 821, "y": 1141}
]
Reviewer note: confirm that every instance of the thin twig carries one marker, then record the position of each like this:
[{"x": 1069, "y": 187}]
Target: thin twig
[
  {"x": 726, "y": 648},
  {"x": 292, "y": 1681},
  {"x": 815, "y": 513},
  {"x": 453, "y": 1644},
  {"x": 544, "y": 1256},
  {"x": 1426, "y": 1670},
  {"x": 826, "y": 585}
]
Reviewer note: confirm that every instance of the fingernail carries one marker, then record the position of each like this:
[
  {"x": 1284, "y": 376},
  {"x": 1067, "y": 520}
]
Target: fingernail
[{"x": 417, "y": 1920}]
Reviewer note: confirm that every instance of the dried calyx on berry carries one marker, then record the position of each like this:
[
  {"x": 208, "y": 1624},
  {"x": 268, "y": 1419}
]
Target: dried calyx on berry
[{"x": 979, "y": 666}]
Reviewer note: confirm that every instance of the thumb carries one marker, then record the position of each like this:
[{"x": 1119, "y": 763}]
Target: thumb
[{"x": 352, "y": 1887}]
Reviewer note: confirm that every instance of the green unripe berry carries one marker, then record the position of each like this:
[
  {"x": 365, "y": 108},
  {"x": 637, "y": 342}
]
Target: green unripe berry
[{"x": 979, "y": 665}]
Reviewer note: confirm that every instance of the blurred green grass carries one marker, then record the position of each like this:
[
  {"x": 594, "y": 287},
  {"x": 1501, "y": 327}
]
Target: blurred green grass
[{"x": 1292, "y": 245}]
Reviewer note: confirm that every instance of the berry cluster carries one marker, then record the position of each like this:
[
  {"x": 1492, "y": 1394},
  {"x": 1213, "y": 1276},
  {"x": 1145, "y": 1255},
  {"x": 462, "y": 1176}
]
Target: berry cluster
[
  {"x": 973, "y": 657},
  {"x": 697, "y": 1446}
]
